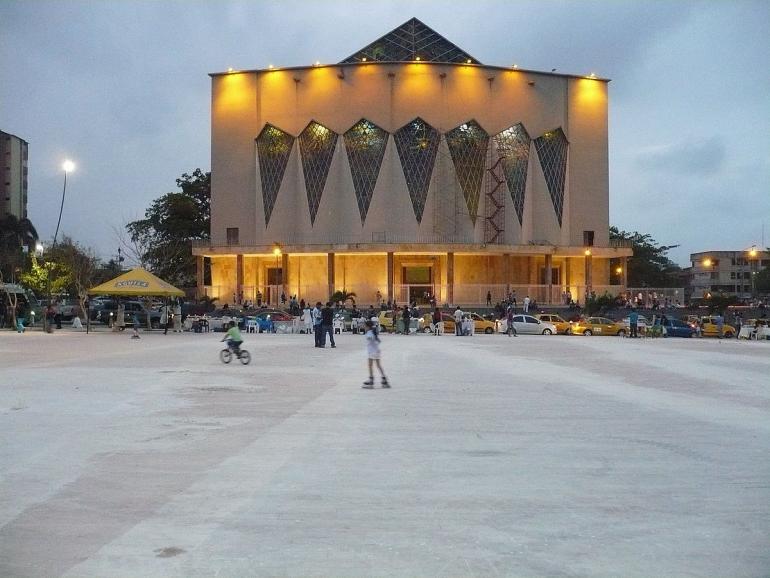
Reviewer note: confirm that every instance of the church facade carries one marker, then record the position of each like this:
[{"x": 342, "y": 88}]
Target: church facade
[{"x": 405, "y": 171}]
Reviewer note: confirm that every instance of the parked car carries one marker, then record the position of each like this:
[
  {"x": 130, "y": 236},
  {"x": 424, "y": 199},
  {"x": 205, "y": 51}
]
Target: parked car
[
  {"x": 527, "y": 324},
  {"x": 108, "y": 309},
  {"x": 386, "y": 322},
  {"x": 562, "y": 326},
  {"x": 710, "y": 328},
  {"x": 677, "y": 328},
  {"x": 598, "y": 326}
]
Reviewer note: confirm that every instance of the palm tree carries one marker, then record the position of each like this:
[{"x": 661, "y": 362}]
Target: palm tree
[{"x": 343, "y": 296}]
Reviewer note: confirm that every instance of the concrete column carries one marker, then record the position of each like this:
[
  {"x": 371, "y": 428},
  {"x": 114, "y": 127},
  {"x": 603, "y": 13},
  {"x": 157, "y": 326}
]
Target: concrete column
[
  {"x": 285, "y": 273},
  {"x": 238, "y": 276},
  {"x": 589, "y": 274},
  {"x": 450, "y": 278},
  {"x": 507, "y": 272},
  {"x": 330, "y": 272},
  {"x": 390, "y": 276},
  {"x": 549, "y": 277},
  {"x": 199, "y": 279}
]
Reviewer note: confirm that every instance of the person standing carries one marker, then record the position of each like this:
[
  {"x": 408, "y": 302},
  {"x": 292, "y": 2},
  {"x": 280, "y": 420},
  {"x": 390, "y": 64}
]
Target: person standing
[
  {"x": 307, "y": 319},
  {"x": 373, "y": 354},
  {"x": 436, "y": 321},
  {"x": 407, "y": 316},
  {"x": 720, "y": 322},
  {"x": 489, "y": 298},
  {"x": 135, "y": 321},
  {"x": 458, "y": 315},
  {"x": 527, "y": 301},
  {"x": 164, "y": 317},
  {"x": 633, "y": 323},
  {"x": 317, "y": 324},
  {"x": 178, "y": 317},
  {"x": 327, "y": 324}
]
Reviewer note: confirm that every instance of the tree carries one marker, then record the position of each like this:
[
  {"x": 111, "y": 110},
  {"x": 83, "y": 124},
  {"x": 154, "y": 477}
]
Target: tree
[
  {"x": 343, "y": 297},
  {"x": 649, "y": 266},
  {"x": 171, "y": 224},
  {"x": 15, "y": 235}
]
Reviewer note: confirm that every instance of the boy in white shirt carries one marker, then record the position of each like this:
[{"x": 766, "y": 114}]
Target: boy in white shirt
[{"x": 373, "y": 353}]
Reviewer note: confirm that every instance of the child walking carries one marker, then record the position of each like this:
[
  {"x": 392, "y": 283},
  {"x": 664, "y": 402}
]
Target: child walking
[{"x": 373, "y": 353}]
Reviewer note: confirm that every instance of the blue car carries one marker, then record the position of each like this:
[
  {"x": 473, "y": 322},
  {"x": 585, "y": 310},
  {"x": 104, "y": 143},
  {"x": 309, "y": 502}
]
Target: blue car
[{"x": 677, "y": 328}]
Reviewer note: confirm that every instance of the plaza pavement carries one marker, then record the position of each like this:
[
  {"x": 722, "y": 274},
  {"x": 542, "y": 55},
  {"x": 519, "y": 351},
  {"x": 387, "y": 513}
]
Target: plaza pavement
[{"x": 491, "y": 456}]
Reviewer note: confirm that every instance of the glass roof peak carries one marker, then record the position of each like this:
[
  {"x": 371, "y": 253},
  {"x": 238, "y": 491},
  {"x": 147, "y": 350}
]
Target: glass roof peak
[{"x": 409, "y": 42}]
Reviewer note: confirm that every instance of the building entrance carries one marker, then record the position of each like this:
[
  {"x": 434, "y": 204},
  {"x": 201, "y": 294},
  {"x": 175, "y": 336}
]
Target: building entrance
[
  {"x": 419, "y": 281},
  {"x": 274, "y": 285}
]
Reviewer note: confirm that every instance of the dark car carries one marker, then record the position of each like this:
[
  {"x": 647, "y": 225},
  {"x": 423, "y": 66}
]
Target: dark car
[
  {"x": 678, "y": 328},
  {"x": 106, "y": 312}
]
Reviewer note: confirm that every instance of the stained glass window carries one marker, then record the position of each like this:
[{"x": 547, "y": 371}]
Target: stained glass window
[
  {"x": 409, "y": 41},
  {"x": 552, "y": 150},
  {"x": 513, "y": 146},
  {"x": 417, "y": 145},
  {"x": 468, "y": 146},
  {"x": 365, "y": 144},
  {"x": 273, "y": 150},
  {"x": 316, "y": 143}
]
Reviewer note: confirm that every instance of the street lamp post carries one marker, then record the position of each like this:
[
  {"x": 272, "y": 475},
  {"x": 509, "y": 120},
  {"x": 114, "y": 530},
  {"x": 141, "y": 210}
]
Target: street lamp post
[
  {"x": 752, "y": 268},
  {"x": 68, "y": 166}
]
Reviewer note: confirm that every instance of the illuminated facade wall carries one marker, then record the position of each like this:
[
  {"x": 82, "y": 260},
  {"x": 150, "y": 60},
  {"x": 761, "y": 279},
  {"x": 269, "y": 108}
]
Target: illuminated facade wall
[{"x": 363, "y": 174}]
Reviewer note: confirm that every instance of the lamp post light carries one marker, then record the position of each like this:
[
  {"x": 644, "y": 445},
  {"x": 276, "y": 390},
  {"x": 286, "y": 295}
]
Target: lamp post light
[
  {"x": 752, "y": 268},
  {"x": 67, "y": 166}
]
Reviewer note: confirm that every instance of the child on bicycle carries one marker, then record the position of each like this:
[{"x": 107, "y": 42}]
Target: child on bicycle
[{"x": 233, "y": 337}]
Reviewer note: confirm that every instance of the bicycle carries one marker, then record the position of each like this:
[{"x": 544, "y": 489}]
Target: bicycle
[{"x": 226, "y": 355}]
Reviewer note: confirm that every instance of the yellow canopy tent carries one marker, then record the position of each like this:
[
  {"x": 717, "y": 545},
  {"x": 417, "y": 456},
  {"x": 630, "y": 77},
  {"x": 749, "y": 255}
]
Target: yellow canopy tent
[{"x": 136, "y": 283}]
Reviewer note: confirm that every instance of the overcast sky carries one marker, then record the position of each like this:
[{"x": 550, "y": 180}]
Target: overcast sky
[{"x": 122, "y": 89}]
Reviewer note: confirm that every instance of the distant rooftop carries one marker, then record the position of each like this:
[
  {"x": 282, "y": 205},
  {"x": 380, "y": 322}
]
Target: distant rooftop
[{"x": 411, "y": 41}]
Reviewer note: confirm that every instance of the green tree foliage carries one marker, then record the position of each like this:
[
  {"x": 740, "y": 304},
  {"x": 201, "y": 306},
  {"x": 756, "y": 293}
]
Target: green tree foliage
[
  {"x": 15, "y": 235},
  {"x": 169, "y": 226},
  {"x": 649, "y": 266},
  {"x": 343, "y": 297}
]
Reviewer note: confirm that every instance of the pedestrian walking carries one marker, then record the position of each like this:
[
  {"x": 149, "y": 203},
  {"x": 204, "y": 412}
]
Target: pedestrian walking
[
  {"x": 720, "y": 322},
  {"x": 164, "y": 317},
  {"x": 510, "y": 328},
  {"x": 407, "y": 316},
  {"x": 135, "y": 321},
  {"x": 489, "y": 298},
  {"x": 373, "y": 355},
  {"x": 178, "y": 317},
  {"x": 327, "y": 324}
]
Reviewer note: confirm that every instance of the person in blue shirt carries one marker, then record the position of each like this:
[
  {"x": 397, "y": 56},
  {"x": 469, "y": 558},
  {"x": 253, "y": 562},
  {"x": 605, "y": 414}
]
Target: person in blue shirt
[{"x": 633, "y": 321}]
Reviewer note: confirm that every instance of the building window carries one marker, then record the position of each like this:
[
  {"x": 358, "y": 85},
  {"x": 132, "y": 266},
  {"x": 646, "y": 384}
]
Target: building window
[
  {"x": 273, "y": 150},
  {"x": 588, "y": 238},
  {"x": 468, "y": 146},
  {"x": 365, "y": 145},
  {"x": 513, "y": 148},
  {"x": 732, "y": 275},
  {"x": 552, "y": 150},
  {"x": 316, "y": 143},
  {"x": 417, "y": 145},
  {"x": 232, "y": 235}
]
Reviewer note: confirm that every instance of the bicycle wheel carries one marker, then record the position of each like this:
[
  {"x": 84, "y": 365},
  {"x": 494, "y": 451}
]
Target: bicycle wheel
[
  {"x": 226, "y": 356},
  {"x": 245, "y": 357}
]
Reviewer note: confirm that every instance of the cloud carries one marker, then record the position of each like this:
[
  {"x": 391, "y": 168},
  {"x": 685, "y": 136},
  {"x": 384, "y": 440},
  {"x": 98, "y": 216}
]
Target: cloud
[{"x": 692, "y": 157}]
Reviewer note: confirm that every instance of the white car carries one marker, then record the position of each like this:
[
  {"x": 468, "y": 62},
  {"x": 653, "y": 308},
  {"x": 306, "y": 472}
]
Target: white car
[{"x": 526, "y": 324}]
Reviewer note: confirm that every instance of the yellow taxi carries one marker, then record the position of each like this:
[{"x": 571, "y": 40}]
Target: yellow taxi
[
  {"x": 480, "y": 325},
  {"x": 710, "y": 328},
  {"x": 597, "y": 326},
  {"x": 561, "y": 325}
]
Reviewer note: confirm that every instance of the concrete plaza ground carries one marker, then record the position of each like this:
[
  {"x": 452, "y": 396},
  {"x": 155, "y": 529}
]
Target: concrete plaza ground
[{"x": 491, "y": 456}]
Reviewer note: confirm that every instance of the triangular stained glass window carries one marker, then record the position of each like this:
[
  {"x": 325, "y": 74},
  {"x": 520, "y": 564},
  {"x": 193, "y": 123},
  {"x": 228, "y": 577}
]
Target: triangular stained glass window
[
  {"x": 552, "y": 149},
  {"x": 468, "y": 146},
  {"x": 417, "y": 145},
  {"x": 316, "y": 143},
  {"x": 365, "y": 144},
  {"x": 513, "y": 147},
  {"x": 410, "y": 41},
  {"x": 273, "y": 150}
]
